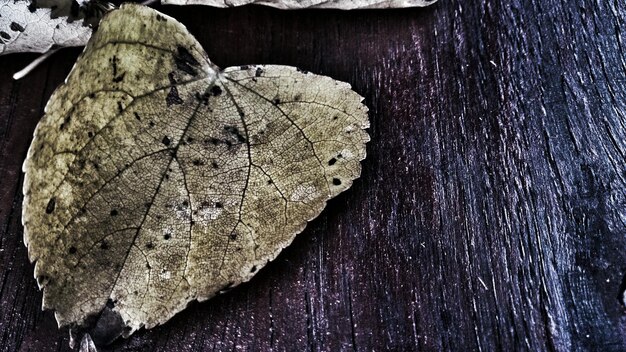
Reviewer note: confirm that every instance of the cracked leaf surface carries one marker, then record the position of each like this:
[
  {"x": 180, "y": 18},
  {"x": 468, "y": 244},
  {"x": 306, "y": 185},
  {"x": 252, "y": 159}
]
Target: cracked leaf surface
[{"x": 155, "y": 178}]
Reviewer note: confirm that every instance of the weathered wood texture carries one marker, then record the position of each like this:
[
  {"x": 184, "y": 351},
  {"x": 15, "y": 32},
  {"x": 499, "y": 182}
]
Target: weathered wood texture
[{"x": 491, "y": 214}]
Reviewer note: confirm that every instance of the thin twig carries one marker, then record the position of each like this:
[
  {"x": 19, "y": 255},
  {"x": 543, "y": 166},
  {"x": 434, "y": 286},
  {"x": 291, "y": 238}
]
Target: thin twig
[{"x": 26, "y": 70}]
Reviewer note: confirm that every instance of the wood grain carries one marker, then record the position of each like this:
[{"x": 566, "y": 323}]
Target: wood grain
[{"x": 491, "y": 214}]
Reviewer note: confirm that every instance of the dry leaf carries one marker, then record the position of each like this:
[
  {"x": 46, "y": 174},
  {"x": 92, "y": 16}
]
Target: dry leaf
[
  {"x": 156, "y": 179},
  {"x": 28, "y": 28},
  {"x": 24, "y": 28},
  {"x": 312, "y": 4}
]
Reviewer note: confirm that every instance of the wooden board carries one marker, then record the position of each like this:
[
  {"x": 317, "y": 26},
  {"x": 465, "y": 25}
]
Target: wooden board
[{"x": 491, "y": 214}]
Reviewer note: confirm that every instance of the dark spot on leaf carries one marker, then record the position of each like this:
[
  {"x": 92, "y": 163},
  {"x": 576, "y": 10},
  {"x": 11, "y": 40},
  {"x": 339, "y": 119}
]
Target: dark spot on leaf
[
  {"x": 151, "y": 123},
  {"x": 203, "y": 97},
  {"x": 16, "y": 27},
  {"x": 137, "y": 116},
  {"x": 253, "y": 269},
  {"x": 189, "y": 139},
  {"x": 332, "y": 161},
  {"x": 149, "y": 245},
  {"x": 113, "y": 62},
  {"x": 33, "y": 6},
  {"x": 160, "y": 18},
  {"x": 297, "y": 97},
  {"x": 171, "y": 77},
  {"x": 90, "y": 134},
  {"x": 258, "y": 72},
  {"x": 185, "y": 61},
  {"x": 197, "y": 162},
  {"x": 214, "y": 164},
  {"x": 104, "y": 245},
  {"x": 114, "y": 212},
  {"x": 335, "y": 117},
  {"x": 167, "y": 236},
  {"x": 233, "y": 236},
  {"x": 51, "y": 205},
  {"x": 173, "y": 97},
  {"x": 301, "y": 70},
  {"x": 276, "y": 101},
  {"x": 65, "y": 122},
  {"x": 336, "y": 181},
  {"x": 120, "y": 108},
  {"x": 5, "y": 35},
  {"x": 165, "y": 141},
  {"x": 218, "y": 205},
  {"x": 185, "y": 203},
  {"x": 235, "y": 131},
  {"x": 244, "y": 67},
  {"x": 148, "y": 266},
  {"x": 269, "y": 182},
  {"x": 119, "y": 78},
  {"x": 72, "y": 250},
  {"x": 216, "y": 90}
]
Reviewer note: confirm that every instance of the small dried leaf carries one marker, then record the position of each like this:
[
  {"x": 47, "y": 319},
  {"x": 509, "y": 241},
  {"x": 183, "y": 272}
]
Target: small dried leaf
[{"x": 156, "y": 179}]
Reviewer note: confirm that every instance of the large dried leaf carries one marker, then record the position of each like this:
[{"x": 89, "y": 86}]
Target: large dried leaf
[
  {"x": 309, "y": 4},
  {"x": 155, "y": 178}
]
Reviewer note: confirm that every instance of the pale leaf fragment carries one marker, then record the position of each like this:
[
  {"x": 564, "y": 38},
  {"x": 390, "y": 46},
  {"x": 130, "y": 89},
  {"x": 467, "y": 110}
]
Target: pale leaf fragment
[
  {"x": 309, "y": 4},
  {"x": 26, "y": 29},
  {"x": 155, "y": 178}
]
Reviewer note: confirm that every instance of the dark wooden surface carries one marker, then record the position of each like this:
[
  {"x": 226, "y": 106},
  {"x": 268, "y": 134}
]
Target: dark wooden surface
[{"x": 491, "y": 214}]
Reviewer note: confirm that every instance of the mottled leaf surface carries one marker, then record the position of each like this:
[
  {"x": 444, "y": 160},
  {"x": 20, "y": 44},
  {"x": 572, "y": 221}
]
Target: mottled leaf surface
[
  {"x": 156, "y": 178},
  {"x": 304, "y": 4}
]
